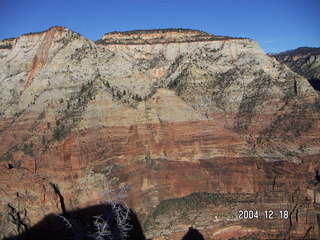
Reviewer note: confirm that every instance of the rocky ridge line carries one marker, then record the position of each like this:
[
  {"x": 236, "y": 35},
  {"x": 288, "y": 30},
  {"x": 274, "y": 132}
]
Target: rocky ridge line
[{"x": 159, "y": 36}]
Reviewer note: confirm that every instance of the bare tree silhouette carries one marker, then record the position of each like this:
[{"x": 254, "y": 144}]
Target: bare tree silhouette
[{"x": 113, "y": 224}]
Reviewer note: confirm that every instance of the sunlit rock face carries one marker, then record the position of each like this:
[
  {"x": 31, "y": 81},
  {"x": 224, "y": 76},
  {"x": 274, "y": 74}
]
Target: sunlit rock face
[{"x": 199, "y": 126}]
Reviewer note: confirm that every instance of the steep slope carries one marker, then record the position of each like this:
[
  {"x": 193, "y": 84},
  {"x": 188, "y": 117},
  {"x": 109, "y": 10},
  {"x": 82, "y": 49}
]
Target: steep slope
[
  {"x": 215, "y": 116},
  {"x": 304, "y": 61}
]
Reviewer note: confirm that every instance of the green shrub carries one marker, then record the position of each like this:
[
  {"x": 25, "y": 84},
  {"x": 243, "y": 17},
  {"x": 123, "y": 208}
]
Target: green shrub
[{"x": 28, "y": 149}]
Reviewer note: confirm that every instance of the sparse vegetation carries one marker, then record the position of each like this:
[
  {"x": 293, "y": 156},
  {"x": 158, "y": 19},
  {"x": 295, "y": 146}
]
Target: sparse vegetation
[
  {"x": 72, "y": 113},
  {"x": 34, "y": 33},
  {"x": 151, "y": 31},
  {"x": 133, "y": 37},
  {"x": 28, "y": 149},
  {"x": 60, "y": 132},
  {"x": 6, "y": 46},
  {"x": 42, "y": 115},
  {"x": 111, "y": 169},
  {"x": 123, "y": 94},
  {"x": 246, "y": 237},
  {"x": 194, "y": 201},
  {"x": 6, "y": 157}
]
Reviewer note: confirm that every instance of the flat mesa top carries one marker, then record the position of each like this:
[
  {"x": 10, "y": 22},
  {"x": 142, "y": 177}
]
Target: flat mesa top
[{"x": 155, "y": 36}]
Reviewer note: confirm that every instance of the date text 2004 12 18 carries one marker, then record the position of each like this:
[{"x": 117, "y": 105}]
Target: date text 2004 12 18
[{"x": 266, "y": 214}]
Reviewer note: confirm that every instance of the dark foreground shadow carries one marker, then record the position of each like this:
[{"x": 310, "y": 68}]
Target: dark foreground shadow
[
  {"x": 315, "y": 83},
  {"x": 54, "y": 227},
  {"x": 193, "y": 234}
]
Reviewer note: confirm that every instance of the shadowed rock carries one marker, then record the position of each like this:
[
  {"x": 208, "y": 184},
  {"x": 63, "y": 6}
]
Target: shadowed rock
[{"x": 193, "y": 234}]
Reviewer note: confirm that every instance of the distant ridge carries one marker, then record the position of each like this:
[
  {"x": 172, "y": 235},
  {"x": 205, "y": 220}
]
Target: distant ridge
[
  {"x": 298, "y": 51},
  {"x": 304, "y": 61}
]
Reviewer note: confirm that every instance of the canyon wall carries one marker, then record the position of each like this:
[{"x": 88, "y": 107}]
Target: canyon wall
[{"x": 198, "y": 129}]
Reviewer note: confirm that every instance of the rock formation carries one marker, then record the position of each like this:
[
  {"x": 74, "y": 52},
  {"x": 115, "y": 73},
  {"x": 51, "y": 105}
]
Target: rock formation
[
  {"x": 304, "y": 61},
  {"x": 156, "y": 36},
  {"x": 198, "y": 129}
]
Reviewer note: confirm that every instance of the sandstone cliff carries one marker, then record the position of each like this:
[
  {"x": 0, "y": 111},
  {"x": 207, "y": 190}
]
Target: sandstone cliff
[
  {"x": 156, "y": 36},
  {"x": 214, "y": 121}
]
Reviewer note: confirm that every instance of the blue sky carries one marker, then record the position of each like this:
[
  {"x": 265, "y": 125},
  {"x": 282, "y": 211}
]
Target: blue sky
[{"x": 277, "y": 25}]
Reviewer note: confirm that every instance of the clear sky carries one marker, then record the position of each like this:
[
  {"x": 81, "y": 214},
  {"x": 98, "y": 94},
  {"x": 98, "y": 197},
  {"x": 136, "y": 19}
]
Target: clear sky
[{"x": 277, "y": 25}]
